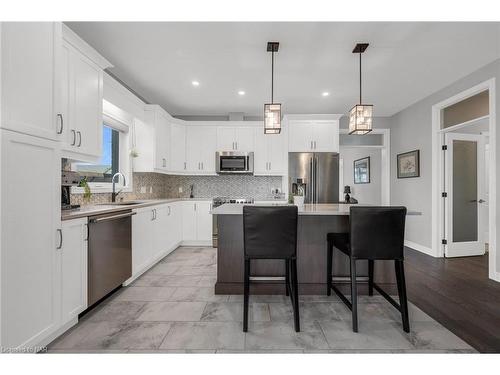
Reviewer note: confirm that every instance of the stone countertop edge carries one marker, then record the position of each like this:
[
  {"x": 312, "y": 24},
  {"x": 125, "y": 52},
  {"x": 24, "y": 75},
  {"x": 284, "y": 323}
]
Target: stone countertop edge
[{"x": 100, "y": 209}]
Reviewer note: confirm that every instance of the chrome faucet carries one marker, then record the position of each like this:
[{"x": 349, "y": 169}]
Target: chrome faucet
[{"x": 114, "y": 194}]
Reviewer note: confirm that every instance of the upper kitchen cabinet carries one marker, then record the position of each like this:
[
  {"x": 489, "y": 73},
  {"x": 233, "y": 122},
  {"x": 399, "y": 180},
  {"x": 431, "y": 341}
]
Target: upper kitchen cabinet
[
  {"x": 313, "y": 135},
  {"x": 270, "y": 154},
  {"x": 81, "y": 98},
  {"x": 153, "y": 135},
  {"x": 29, "y": 78},
  {"x": 201, "y": 143},
  {"x": 178, "y": 162},
  {"x": 235, "y": 138}
]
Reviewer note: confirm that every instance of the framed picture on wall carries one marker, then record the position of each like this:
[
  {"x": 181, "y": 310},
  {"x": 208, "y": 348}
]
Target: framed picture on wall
[
  {"x": 409, "y": 164},
  {"x": 362, "y": 171}
]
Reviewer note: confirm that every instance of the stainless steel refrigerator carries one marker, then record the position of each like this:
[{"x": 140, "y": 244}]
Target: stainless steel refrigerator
[{"x": 317, "y": 173}]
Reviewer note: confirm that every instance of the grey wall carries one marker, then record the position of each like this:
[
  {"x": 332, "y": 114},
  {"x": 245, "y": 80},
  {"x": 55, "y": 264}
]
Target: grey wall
[
  {"x": 364, "y": 193},
  {"x": 412, "y": 129}
]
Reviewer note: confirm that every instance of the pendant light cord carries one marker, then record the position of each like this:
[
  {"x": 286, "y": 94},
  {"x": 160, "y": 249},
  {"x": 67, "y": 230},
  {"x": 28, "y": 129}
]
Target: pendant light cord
[
  {"x": 272, "y": 77},
  {"x": 360, "y": 102}
]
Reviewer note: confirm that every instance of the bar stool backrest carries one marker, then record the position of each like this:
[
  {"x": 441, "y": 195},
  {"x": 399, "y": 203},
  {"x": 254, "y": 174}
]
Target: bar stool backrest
[
  {"x": 270, "y": 232},
  {"x": 377, "y": 232}
]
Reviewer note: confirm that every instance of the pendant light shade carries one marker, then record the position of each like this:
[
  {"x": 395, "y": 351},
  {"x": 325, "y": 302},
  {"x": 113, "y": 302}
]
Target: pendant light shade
[
  {"x": 272, "y": 111},
  {"x": 361, "y": 115}
]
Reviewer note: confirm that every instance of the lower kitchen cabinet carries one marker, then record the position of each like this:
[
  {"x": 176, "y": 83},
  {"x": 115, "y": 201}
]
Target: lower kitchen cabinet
[
  {"x": 142, "y": 239},
  {"x": 197, "y": 223},
  {"x": 73, "y": 261}
]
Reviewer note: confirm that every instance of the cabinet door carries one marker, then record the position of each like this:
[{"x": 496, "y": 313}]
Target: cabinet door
[
  {"x": 30, "y": 273},
  {"x": 277, "y": 154},
  {"x": 161, "y": 231},
  {"x": 193, "y": 145},
  {"x": 142, "y": 239},
  {"x": 326, "y": 136},
  {"x": 203, "y": 221},
  {"x": 176, "y": 223},
  {"x": 162, "y": 142},
  {"x": 226, "y": 139},
  {"x": 178, "y": 148},
  {"x": 207, "y": 138},
  {"x": 29, "y": 51},
  {"x": 73, "y": 269},
  {"x": 189, "y": 221},
  {"x": 68, "y": 135},
  {"x": 87, "y": 105},
  {"x": 244, "y": 139},
  {"x": 300, "y": 137},
  {"x": 261, "y": 157}
]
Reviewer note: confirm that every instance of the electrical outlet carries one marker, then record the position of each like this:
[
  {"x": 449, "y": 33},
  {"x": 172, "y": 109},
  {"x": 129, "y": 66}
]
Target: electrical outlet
[
  {"x": 150, "y": 190},
  {"x": 180, "y": 190},
  {"x": 143, "y": 189}
]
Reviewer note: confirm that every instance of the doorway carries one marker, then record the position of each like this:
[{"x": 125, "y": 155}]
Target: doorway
[{"x": 464, "y": 175}]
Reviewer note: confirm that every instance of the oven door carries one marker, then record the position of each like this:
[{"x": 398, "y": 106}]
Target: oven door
[{"x": 231, "y": 162}]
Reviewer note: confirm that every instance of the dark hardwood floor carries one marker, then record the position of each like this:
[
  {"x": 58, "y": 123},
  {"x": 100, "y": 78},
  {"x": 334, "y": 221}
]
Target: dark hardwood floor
[{"x": 458, "y": 294}]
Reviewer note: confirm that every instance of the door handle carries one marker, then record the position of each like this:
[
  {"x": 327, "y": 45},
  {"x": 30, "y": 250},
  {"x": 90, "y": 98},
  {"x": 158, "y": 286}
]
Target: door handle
[
  {"x": 60, "y": 239},
  {"x": 74, "y": 137},
  {"x": 61, "y": 121},
  {"x": 79, "y": 138},
  {"x": 481, "y": 201}
]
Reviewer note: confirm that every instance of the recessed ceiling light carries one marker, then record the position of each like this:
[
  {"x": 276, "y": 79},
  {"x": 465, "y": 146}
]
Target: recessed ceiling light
[
  {"x": 195, "y": 83},
  {"x": 326, "y": 93},
  {"x": 241, "y": 92}
]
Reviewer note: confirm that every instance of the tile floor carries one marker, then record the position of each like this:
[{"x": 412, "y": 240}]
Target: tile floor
[{"x": 172, "y": 309}]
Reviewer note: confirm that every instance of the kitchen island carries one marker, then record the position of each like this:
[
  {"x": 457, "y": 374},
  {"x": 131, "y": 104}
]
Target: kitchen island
[{"x": 314, "y": 222}]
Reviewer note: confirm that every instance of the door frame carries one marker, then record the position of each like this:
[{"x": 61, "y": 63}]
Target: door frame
[
  {"x": 385, "y": 168},
  {"x": 438, "y": 171}
]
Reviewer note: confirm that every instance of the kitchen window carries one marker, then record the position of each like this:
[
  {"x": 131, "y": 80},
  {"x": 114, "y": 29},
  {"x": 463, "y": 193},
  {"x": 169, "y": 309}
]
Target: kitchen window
[{"x": 115, "y": 158}]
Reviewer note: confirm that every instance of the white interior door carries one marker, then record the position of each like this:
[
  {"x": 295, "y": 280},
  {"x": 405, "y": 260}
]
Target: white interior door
[{"x": 464, "y": 181}]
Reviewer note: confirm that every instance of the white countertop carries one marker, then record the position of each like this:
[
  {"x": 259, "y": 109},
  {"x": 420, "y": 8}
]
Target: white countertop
[
  {"x": 326, "y": 209},
  {"x": 99, "y": 209}
]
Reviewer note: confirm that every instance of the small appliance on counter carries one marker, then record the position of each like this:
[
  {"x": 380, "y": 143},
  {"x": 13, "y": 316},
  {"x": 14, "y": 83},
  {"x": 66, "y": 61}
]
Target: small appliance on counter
[
  {"x": 68, "y": 179},
  {"x": 219, "y": 201}
]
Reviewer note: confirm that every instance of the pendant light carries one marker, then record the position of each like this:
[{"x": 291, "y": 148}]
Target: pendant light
[
  {"x": 360, "y": 116},
  {"x": 272, "y": 111}
]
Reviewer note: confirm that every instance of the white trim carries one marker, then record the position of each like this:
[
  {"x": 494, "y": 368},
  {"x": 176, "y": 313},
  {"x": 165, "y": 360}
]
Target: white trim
[
  {"x": 438, "y": 171},
  {"x": 463, "y": 124},
  {"x": 72, "y": 38},
  {"x": 421, "y": 248},
  {"x": 385, "y": 178}
]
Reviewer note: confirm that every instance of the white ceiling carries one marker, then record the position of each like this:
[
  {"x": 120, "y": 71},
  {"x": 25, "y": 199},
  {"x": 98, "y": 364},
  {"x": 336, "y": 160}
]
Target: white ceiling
[{"x": 404, "y": 63}]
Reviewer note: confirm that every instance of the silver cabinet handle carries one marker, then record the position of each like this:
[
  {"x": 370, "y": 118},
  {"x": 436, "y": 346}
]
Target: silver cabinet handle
[
  {"x": 195, "y": 206},
  {"x": 79, "y": 138},
  {"x": 169, "y": 210},
  {"x": 60, "y": 239},
  {"x": 156, "y": 214},
  {"x": 109, "y": 218},
  {"x": 152, "y": 214},
  {"x": 185, "y": 166},
  {"x": 236, "y": 145},
  {"x": 74, "y": 137},
  {"x": 269, "y": 165},
  {"x": 481, "y": 201},
  {"x": 164, "y": 162},
  {"x": 61, "y": 121},
  {"x": 202, "y": 166},
  {"x": 86, "y": 232},
  {"x": 311, "y": 145},
  {"x": 315, "y": 145}
]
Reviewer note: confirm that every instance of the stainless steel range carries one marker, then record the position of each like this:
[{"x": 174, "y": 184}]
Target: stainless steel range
[{"x": 219, "y": 201}]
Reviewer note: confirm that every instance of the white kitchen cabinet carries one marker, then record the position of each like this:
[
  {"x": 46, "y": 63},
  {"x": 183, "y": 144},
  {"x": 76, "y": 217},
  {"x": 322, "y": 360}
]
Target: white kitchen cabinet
[
  {"x": 142, "y": 239},
  {"x": 313, "y": 136},
  {"x": 178, "y": 148},
  {"x": 81, "y": 98},
  {"x": 156, "y": 130},
  {"x": 174, "y": 225},
  {"x": 197, "y": 223},
  {"x": 235, "y": 139},
  {"x": 73, "y": 260},
  {"x": 30, "y": 235},
  {"x": 161, "y": 232},
  {"x": 200, "y": 149},
  {"x": 29, "y": 78},
  {"x": 270, "y": 154}
]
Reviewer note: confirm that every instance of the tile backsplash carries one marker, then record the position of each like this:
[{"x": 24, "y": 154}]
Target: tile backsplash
[{"x": 156, "y": 186}]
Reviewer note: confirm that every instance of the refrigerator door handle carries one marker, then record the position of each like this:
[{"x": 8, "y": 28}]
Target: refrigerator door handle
[{"x": 311, "y": 179}]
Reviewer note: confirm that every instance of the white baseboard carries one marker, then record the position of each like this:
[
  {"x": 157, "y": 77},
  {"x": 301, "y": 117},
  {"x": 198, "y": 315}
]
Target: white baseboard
[
  {"x": 495, "y": 276},
  {"x": 421, "y": 248},
  {"x": 196, "y": 243}
]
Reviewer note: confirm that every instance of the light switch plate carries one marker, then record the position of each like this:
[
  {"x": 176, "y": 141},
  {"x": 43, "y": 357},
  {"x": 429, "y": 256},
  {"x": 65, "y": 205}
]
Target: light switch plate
[{"x": 143, "y": 189}]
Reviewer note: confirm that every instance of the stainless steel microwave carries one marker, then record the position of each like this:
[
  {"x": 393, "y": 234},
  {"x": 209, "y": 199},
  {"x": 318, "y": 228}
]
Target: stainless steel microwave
[{"x": 229, "y": 162}]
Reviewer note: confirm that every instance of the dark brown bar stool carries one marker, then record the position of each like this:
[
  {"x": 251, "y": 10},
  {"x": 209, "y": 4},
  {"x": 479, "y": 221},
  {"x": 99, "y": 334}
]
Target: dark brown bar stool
[
  {"x": 271, "y": 233},
  {"x": 376, "y": 233}
]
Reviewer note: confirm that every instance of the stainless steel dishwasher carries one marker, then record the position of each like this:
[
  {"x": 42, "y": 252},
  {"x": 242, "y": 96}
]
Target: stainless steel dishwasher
[{"x": 109, "y": 253}]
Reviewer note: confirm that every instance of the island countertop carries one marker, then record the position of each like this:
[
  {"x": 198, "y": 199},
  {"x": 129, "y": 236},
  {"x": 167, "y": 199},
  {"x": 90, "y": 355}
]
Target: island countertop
[{"x": 327, "y": 209}]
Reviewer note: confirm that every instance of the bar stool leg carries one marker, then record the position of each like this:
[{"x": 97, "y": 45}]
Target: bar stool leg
[
  {"x": 287, "y": 277},
  {"x": 370, "y": 276},
  {"x": 295, "y": 291},
  {"x": 354, "y": 296},
  {"x": 246, "y": 294},
  {"x": 403, "y": 299},
  {"x": 329, "y": 255}
]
